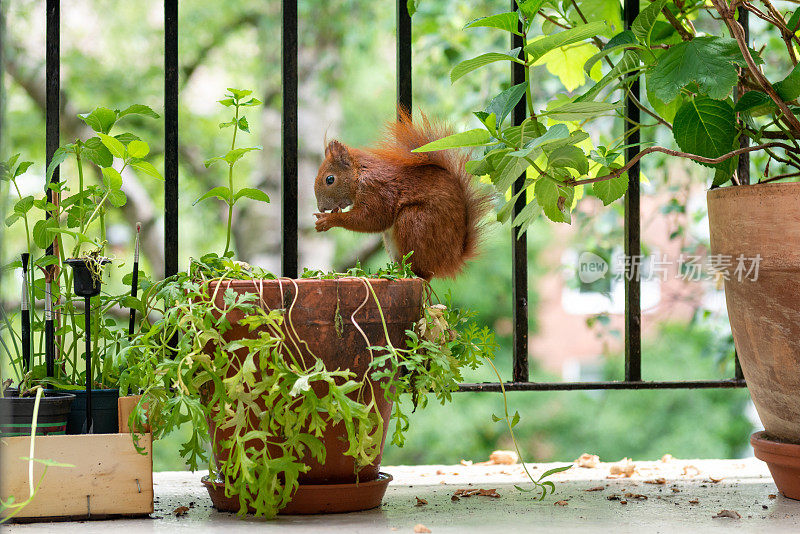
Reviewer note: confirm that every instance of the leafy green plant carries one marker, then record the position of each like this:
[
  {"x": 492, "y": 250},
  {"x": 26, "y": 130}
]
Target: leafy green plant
[
  {"x": 236, "y": 99},
  {"x": 71, "y": 219},
  {"x": 689, "y": 79},
  {"x": 202, "y": 379}
]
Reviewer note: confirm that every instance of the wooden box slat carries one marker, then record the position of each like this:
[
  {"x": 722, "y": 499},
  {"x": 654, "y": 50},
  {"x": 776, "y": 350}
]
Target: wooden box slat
[{"x": 109, "y": 478}]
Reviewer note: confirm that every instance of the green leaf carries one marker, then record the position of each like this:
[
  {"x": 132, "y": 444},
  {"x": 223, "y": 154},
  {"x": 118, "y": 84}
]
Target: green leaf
[
  {"x": 147, "y": 168},
  {"x": 138, "y": 109},
  {"x": 546, "y": 192},
  {"x": 502, "y": 21},
  {"x": 46, "y": 461},
  {"x": 489, "y": 120},
  {"x": 412, "y": 6},
  {"x": 750, "y": 100},
  {"x": 236, "y": 154},
  {"x": 138, "y": 149},
  {"x": 515, "y": 419},
  {"x": 569, "y": 156},
  {"x": 555, "y": 470},
  {"x": 705, "y": 127},
  {"x": 248, "y": 192},
  {"x": 710, "y": 62},
  {"x": 496, "y": 419},
  {"x": 504, "y": 103},
  {"x": 111, "y": 178},
  {"x": 610, "y": 190},
  {"x": 629, "y": 63},
  {"x": 220, "y": 192},
  {"x": 251, "y": 102},
  {"x": 227, "y": 102},
  {"x": 227, "y": 124},
  {"x": 789, "y": 88},
  {"x": 95, "y": 151},
  {"x": 11, "y": 219},
  {"x": 540, "y": 47},
  {"x": 238, "y": 94},
  {"x": 506, "y": 169},
  {"x": 23, "y": 205},
  {"x": 22, "y": 168},
  {"x": 575, "y": 111},
  {"x": 41, "y": 235},
  {"x": 618, "y": 43},
  {"x": 100, "y": 120},
  {"x": 243, "y": 126},
  {"x": 794, "y": 21},
  {"x": 530, "y": 8},
  {"x": 59, "y": 156},
  {"x": 113, "y": 145},
  {"x": 643, "y": 24},
  {"x": 117, "y": 198},
  {"x": 468, "y": 65},
  {"x": 666, "y": 110},
  {"x": 476, "y": 137}
]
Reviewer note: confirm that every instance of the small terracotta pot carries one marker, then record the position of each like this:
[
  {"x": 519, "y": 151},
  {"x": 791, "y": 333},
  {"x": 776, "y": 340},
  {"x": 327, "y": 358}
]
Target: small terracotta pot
[
  {"x": 783, "y": 460},
  {"x": 314, "y": 305},
  {"x": 764, "y": 221}
]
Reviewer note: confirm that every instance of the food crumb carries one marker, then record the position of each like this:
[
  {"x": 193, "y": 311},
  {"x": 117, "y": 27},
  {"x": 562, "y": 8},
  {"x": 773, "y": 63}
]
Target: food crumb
[{"x": 419, "y": 528}]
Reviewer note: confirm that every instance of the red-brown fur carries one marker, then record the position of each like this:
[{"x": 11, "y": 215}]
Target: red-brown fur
[{"x": 426, "y": 200}]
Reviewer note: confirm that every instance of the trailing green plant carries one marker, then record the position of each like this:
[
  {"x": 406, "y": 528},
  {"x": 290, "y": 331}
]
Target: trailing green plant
[
  {"x": 69, "y": 221},
  {"x": 689, "y": 78},
  {"x": 200, "y": 378}
]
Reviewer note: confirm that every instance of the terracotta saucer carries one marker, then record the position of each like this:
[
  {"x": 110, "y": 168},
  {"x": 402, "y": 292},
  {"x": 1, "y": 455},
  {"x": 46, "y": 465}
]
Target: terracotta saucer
[
  {"x": 783, "y": 460},
  {"x": 314, "y": 498}
]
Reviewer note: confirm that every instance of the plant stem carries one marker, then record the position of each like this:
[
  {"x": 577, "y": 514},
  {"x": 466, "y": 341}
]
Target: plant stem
[{"x": 230, "y": 182}]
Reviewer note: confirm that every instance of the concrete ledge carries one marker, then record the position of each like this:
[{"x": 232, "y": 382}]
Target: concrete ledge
[{"x": 673, "y": 496}]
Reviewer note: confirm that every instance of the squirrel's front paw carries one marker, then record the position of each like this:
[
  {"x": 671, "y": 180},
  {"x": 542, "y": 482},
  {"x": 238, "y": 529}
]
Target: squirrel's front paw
[{"x": 324, "y": 222}]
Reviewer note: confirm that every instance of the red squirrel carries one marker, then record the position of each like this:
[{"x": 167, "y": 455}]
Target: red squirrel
[{"x": 422, "y": 202}]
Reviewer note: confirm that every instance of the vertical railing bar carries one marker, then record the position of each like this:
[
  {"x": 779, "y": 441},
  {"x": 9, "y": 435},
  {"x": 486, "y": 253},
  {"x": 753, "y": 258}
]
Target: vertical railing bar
[
  {"x": 633, "y": 309},
  {"x": 519, "y": 276},
  {"x": 52, "y": 92},
  {"x": 289, "y": 139},
  {"x": 170, "y": 137},
  {"x": 404, "y": 82},
  {"x": 743, "y": 165}
]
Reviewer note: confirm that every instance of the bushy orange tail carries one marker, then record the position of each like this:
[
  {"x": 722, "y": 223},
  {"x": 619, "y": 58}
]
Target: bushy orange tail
[{"x": 403, "y": 136}]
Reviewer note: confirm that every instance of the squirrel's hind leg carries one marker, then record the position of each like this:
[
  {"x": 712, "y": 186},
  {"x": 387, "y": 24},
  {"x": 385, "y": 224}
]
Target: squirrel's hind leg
[{"x": 435, "y": 237}]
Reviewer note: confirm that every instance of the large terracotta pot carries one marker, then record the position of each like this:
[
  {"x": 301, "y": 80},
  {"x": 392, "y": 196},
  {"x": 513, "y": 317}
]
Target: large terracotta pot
[
  {"x": 764, "y": 312},
  {"x": 314, "y": 306}
]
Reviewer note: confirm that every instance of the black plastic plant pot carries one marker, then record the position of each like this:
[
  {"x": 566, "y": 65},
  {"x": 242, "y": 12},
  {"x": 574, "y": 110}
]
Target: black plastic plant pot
[
  {"x": 85, "y": 275},
  {"x": 16, "y": 413},
  {"x": 104, "y": 412}
]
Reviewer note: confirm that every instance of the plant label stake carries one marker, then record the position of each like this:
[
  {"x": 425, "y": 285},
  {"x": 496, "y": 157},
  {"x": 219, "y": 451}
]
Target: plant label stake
[
  {"x": 134, "y": 280},
  {"x": 87, "y": 285},
  {"x": 49, "y": 329},
  {"x": 26, "y": 316}
]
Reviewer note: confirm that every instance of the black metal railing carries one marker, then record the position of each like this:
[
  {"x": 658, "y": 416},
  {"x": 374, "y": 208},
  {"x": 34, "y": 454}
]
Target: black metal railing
[{"x": 289, "y": 195}]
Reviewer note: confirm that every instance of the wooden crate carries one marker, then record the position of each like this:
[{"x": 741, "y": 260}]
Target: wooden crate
[{"x": 110, "y": 477}]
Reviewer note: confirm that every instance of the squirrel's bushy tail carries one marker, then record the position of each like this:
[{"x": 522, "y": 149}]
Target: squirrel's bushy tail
[{"x": 403, "y": 136}]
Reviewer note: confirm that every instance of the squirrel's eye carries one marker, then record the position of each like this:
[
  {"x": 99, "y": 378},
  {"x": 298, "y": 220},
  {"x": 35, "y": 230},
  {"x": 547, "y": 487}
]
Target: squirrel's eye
[{"x": 329, "y": 179}]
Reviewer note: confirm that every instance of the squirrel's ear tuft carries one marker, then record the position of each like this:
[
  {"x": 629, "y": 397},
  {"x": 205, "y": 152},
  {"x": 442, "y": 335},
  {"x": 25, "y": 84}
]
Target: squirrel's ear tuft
[{"x": 337, "y": 151}]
